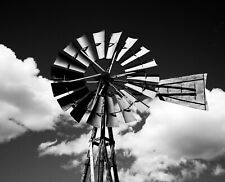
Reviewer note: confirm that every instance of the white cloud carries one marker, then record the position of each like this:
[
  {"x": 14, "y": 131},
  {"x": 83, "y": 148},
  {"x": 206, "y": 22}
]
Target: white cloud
[
  {"x": 172, "y": 133},
  {"x": 218, "y": 170},
  {"x": 25, "y": 97},
  {"x": 194, "y": 172},
  {"x": 74, "y": 147},
  {"x": 71, "y": 164},
  {"x": 44, "y": 146}
]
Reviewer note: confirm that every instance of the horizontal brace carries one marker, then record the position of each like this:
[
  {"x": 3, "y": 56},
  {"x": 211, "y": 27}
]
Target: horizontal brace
[
  {"x": 176, "y": 87},
  {"x": 182, "y": 81},
  {"x": 177, "y": 94}
]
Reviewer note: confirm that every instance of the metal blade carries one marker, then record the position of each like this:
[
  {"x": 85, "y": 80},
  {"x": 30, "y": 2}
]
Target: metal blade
[
  {"x": 128, "y": 94},
  {"x": 87, "y": 48},
  {"x": 74, "y": 52},
  {"x": 143, "y": 66},
  {"x": 91, "y": 104},
  {"x": 128, "y": 44},
  {"x": 61, "y": 88},
  {"x": 187, "y": 90},
  {"x": 144, "y": 91},
  {"x": 80, "y": 108},
  {"x": 112, "y": 44},
  {"x": 137, "y": 103},
  {"x": 125, "y": 109},
  {"x": 78, "y": 79},
  {"x": 151, "y": 79},
  {"x": 59, "y": 73},
  {"x": 97, "y": 113},
  {"x": 99, "y": 39},
  {"x": 68, "y": 63},
  {"x": 111, "y": 115},
  {"x": 140, "y": 53},
  {"x": 72, "y": 97}
]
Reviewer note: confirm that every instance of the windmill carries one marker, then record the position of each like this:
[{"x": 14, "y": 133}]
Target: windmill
[{"x": 102, "y": 79}]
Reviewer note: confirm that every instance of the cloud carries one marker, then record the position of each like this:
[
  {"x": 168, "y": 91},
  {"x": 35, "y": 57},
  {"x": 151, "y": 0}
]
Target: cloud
[
  {"x": 44, "y": 146},
  {"x": 71, "y": 164},
  {"x": 74, "y": 147},
  {"x": 26, "y": 100},
  {"x": 174, "y": 132},
  {"x": 218, "y": 170}
]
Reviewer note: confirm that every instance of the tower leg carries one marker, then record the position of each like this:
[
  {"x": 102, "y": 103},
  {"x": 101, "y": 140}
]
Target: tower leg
[
  {"x": 87, "y": 162},
  {"x": 113, "y": 156}
]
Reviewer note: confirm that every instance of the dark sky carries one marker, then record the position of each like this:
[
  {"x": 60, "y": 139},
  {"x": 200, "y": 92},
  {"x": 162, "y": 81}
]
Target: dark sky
[{"x": 185, "y": 38}]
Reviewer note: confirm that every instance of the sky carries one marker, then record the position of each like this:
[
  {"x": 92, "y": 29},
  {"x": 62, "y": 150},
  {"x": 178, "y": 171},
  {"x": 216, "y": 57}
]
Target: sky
[{"x": 169, "y": 143}]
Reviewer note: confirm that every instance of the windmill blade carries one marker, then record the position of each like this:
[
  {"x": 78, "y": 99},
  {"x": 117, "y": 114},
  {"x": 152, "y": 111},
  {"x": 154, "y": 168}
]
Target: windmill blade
[
  {"x": 79, "y": 79},
  {"x": 137, "y": 55},
  {"x": 95, "y": 117},
  {"x": 187, "y": 90},
  {"x": 74, "y": 52},
  {"x": 92, "y": 104},
  {"x": 150, "y": 79},
  {"x": 128, "y": 44},
  {"x": 137, "y": 103},
  {"x": 99, "y": 39},
  {"x": 111, "y": 114},
  {"x": 61, "y": 88},
  {"x": 145, "y": 91},
  {"x": 138, "y": 96},
  {"x": 69, "y": 63},
  {"x": 125, "y": 109},
  {"x": 69, "y": 99},
  {"x": 142, "y": 67},
  {"x": 87, "y": 48},
  {"x": 80, "y": 108},
  {"x": 112, "y": 44},
  {"x": 60, "y": 73}
]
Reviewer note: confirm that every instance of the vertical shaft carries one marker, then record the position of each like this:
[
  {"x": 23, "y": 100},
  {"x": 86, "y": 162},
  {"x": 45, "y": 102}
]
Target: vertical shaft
[
  {"x": 101, "y": 163},
  {"x": 101, "y": 145}
]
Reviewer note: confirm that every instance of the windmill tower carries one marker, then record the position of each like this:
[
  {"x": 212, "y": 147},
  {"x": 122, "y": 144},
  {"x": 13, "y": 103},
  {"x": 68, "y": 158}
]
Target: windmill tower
[{"x": 101, "y": 80}]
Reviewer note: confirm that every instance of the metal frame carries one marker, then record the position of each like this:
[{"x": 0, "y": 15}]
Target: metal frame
[{"x": 103, "y": 160}]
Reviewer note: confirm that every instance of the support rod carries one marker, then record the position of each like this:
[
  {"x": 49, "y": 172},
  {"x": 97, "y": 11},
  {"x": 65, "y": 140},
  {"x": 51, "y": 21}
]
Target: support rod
[{"x": 113, "y": 157}]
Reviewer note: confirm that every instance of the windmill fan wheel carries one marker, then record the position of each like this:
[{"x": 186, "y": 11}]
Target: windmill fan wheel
[{"x": 100, "y": 75}]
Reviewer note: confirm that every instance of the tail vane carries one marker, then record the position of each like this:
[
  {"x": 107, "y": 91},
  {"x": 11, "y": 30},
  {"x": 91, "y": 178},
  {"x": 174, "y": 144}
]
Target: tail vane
[{"x": 187, "y": 90}]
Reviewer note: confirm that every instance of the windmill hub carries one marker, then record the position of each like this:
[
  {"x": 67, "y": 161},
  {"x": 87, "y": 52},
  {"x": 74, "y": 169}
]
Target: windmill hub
[{"x": 106, "y": 78}]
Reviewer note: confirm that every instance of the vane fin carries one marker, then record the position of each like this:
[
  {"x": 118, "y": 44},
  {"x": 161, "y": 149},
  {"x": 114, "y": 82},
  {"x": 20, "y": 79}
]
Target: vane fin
[{"x": 187, "y": 90}]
